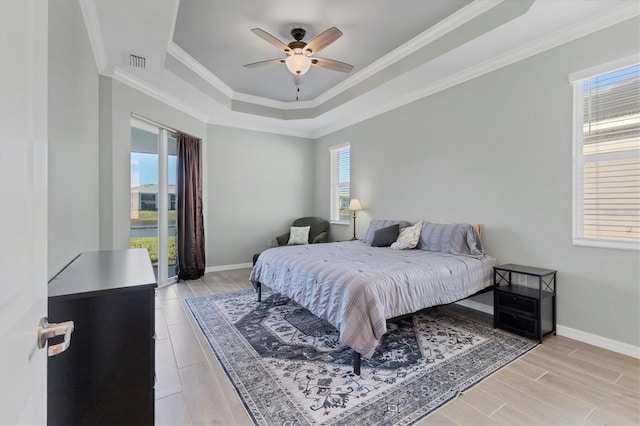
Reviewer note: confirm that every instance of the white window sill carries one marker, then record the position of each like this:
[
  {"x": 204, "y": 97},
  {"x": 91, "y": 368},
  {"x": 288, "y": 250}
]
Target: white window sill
[
  {"x": 620, "y": 245},
  {"x": 339, "y": 222}
]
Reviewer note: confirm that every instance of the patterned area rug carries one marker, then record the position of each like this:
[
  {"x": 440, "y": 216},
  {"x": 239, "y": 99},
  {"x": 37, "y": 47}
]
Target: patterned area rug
[{"x": 289, "y": 368}]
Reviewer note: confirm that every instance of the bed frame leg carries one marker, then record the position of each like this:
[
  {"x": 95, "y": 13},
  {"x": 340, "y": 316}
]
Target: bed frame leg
[
  {"x": 356, "y": 363},
  {"x": 259, "y": 290}
]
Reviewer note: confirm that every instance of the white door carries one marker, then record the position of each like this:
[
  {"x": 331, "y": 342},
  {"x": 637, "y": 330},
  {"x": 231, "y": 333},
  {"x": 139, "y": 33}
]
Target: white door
[{"x": 23, "y": 209}]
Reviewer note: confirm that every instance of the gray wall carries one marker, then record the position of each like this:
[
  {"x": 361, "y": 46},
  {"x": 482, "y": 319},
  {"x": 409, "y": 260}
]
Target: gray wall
[
  {"x": 255, "y": 183},
  {"x": 497, "y": 150},
  {"x": 73, "y": 137},
  {"x": 258, "y": 183}
]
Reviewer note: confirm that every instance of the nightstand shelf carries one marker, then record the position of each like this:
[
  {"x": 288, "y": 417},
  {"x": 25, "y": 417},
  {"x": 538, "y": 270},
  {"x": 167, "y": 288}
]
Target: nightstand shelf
[{"x": 524, "y": 310}]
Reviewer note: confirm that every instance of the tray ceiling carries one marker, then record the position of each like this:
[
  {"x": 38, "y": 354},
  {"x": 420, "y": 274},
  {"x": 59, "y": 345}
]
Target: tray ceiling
[{"x": 401, "y": 50}]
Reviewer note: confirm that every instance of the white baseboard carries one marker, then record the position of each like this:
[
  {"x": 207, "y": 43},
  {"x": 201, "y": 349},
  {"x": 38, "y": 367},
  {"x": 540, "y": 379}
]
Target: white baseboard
[
  {"x": 572, "y": 333},
  {"x": 599, "y": 341},
  {"x": 228, "y": 267},
  {"x": 487, "y": 309}
]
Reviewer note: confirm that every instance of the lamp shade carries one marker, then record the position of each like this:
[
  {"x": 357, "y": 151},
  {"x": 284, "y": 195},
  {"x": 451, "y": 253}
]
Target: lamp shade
[
  {"x": 355, "y": 204},
  {"x": 298, "y": 63}
]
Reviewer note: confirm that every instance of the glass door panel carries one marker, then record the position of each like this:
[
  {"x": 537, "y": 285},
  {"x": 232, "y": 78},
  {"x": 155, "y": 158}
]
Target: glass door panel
[
  {"x": 172, "y": 229},
  {"x": 144, "y": 192}
]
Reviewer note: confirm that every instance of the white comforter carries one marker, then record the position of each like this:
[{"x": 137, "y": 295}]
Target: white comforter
[{"x": 356, "y": 287}]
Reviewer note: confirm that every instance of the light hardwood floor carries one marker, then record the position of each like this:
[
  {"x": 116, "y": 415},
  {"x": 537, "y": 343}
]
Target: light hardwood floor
[{"x": 562, "y": 381}]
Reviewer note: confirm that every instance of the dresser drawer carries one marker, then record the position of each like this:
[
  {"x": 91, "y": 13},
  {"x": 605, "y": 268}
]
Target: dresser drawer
[
  {"x": 524, "y": 305},
  {"x": 516, "y": 323}
]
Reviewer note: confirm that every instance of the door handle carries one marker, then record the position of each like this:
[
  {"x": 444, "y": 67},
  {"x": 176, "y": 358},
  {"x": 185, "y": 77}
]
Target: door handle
[{"x": 48, "y": 331}]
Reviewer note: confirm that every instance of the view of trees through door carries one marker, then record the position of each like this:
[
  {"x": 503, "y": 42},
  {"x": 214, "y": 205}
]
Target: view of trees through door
[{"x": 153, "y": 195}]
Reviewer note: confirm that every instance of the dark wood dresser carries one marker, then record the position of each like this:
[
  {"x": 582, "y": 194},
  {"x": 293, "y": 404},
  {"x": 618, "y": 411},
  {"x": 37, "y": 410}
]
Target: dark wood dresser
[{"x": 106, "y": 376}]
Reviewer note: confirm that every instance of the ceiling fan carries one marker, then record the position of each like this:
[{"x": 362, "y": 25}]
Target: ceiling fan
[{"x": 299, "y": 54}]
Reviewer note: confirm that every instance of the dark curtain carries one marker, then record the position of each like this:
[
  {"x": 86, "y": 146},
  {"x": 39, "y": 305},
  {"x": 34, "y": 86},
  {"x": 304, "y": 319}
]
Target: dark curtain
[{"x": 191, "y": 257}]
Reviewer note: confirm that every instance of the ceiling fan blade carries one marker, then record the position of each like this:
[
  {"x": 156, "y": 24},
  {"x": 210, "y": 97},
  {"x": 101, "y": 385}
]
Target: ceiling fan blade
[
  {"x": 323, "y": 39},
  {"x": 267, "y": 62},
  {"x": 270, "y": 39},
  {"x": 331, "y": 64}
]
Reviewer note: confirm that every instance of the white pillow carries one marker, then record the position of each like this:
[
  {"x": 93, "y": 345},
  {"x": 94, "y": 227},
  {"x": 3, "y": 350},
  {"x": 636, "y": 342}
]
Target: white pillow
[
  {"x": 408, "y": 237},
  {"x": 299, "y": 235}
]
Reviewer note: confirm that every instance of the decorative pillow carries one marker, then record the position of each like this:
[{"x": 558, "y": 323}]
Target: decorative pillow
[
  {"x": 454, "y": 238},
  {"x": 299, "y": 235},
  {"x": 376, "y": 224},
  {"x": 408, "y": 237},
  {"x": 384, "y": 237}
]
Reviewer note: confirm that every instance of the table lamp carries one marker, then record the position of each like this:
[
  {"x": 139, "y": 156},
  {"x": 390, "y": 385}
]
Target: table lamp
[{"x": 354, "y": 205}]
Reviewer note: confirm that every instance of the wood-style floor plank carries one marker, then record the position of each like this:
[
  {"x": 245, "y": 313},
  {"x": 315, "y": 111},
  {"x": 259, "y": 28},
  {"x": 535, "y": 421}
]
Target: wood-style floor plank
[
  {"x": 481, "y": 401},
  {"x": 600, "y": 416},
  {"x": 185, "y": 345},
  {"x": 173, "y": 311},
  {"x": 203, "y": 396},
  {"x": 598, "y": 398},
  {"x": 526, "y": 403},
  {"x": 527, "y": 370},
  {"x": 464, "y": 414},
  {"x": 162, "y": 332},
  {"x": 599, "y": 371},
  {"x": 510, "y": 415},
  {"x": 561, "y": 382},
  {"x": 167, "y": 375},
  {"x": 572, "y": 407},
  {"x": 172, "y": 411},
  {"x": 581, "y": 374},
  {"x": 436, "y": 419}
]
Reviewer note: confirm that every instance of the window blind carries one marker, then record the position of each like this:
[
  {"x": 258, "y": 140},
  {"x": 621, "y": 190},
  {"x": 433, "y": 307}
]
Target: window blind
[
  {"x": 608, "y": 157},
  {"x": 341, "y": 183}
]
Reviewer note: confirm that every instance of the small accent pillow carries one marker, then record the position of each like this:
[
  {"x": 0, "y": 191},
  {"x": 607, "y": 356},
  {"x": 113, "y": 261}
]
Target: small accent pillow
[
  {"x": 408, "y": 237},
  {"x": 299, "y": 235},
  {"x": 376, "y": 224},
  {"x": 384, "y": 237}
]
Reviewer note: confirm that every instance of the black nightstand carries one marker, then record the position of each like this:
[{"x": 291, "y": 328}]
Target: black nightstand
[{"x": 527, "y": 311}]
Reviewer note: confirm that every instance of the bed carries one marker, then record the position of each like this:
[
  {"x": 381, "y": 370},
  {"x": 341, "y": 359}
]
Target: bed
[{"x": 357, "y": 287}]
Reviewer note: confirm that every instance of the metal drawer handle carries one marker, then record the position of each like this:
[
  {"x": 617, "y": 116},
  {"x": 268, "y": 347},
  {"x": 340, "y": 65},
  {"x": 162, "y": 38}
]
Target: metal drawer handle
[{"x": 48, "y": 331}]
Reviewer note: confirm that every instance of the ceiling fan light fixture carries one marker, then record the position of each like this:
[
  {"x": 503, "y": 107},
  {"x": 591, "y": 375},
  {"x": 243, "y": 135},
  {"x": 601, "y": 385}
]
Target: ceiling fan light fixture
[{"x": 298, "y": 63}]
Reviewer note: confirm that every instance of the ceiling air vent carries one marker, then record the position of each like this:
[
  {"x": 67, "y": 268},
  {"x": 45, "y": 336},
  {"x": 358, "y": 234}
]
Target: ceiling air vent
[{"x": 136, "y": 61}]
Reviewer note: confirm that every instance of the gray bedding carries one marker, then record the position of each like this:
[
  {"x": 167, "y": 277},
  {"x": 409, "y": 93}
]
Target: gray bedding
[{"x": 356, "y": 287}]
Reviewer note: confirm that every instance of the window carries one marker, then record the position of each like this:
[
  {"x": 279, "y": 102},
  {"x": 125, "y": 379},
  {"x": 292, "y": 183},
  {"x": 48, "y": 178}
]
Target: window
[
  {"x": 606, "y": 204},
  {"x": 340, "y": 183}
]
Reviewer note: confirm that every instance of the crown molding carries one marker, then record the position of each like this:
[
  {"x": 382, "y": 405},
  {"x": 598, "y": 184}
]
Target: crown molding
[
  {"x": 443, "y": 27},
  {"x": 146, "y": 88},
  {"x": 195, "y": 66},
  {"x": 142, "y": 86},
  {"x": 92, "y": 23},
  {"x": 287, "y": 106},
  {"x": 566, "y": 35}
]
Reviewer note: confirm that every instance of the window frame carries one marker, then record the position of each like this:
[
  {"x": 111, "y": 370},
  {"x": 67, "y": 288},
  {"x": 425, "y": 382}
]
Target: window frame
[
  {"x": 577, "y": 80},
  {"x": 334, "y": 202}
]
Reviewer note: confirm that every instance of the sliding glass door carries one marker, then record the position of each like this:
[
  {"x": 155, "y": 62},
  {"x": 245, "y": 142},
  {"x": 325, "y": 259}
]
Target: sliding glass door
[{"x": 153, "y": 196}]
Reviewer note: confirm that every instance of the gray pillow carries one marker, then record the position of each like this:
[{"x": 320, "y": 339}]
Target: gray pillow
[
  {"x": 454, "y": 238},
  {"x": 376, "y": 224},
  {"x": 384, "y": 237}
]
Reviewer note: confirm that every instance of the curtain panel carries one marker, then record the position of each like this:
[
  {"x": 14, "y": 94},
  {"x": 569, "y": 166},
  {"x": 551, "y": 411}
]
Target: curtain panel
[{"x": 191, "y": 249}]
